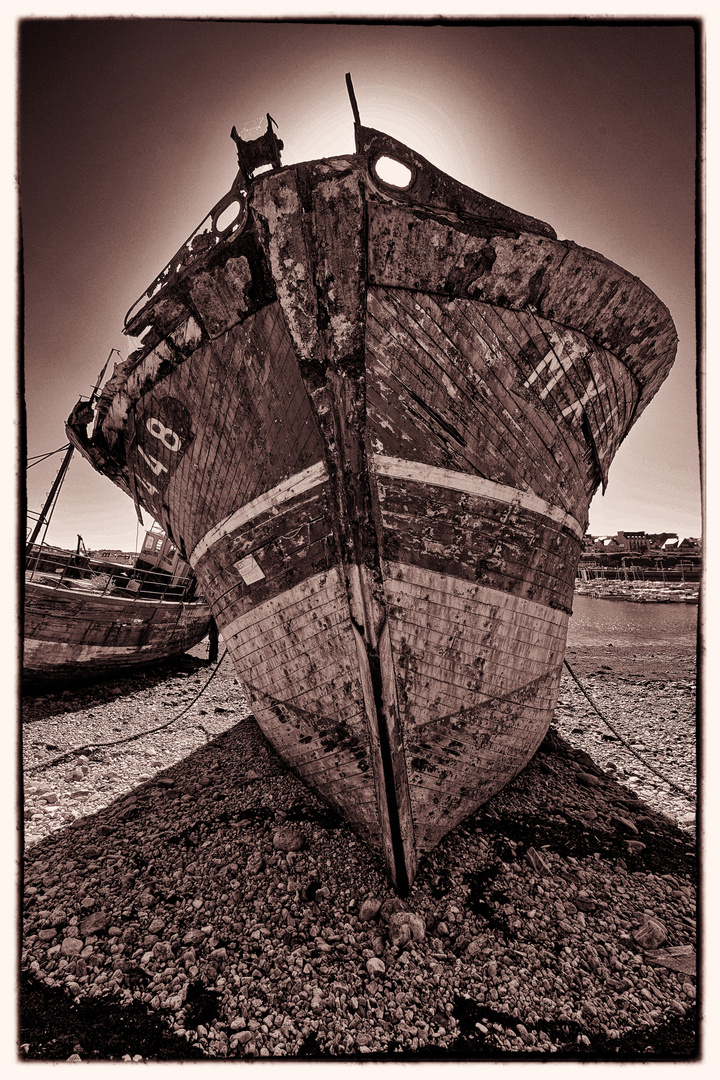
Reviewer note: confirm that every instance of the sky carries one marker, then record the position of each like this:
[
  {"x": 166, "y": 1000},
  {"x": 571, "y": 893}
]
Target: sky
[{"x": 124, "y": 144}]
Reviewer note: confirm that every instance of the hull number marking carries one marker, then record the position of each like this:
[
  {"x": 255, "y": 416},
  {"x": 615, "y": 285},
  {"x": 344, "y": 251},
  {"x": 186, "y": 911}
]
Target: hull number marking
[{"x": 164, "y": 434}]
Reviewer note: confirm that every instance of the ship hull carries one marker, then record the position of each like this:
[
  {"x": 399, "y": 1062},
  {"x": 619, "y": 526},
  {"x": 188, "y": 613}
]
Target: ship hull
[
  {"x": 72, "y": 636},
  {"x": 373, "y": 423}
]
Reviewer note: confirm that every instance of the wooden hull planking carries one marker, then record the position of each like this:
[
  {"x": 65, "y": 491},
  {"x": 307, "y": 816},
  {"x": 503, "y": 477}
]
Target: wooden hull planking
[
  {"x": 377, "y": 422},
  {"x": 71, "y": 635}
]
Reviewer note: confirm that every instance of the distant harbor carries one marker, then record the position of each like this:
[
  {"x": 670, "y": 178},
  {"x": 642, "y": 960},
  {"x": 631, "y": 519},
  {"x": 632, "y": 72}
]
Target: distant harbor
[
  {"x": 598, "y": 623},
  {"x": 639, "y": 591},
  {"x": 641, "y": 568}
]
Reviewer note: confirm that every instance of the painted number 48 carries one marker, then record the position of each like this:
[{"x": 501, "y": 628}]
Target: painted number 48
[
  {"x": 165, "y": 434},
  {"x": 169, "y": 438}
]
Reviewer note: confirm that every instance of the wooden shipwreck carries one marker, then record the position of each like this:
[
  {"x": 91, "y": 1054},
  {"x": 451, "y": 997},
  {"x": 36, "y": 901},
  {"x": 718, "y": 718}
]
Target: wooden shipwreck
[
  {"x": 84, "y": 621},
  {"x": 372, "y": 418},
  {"x": 86, "y": 618}
]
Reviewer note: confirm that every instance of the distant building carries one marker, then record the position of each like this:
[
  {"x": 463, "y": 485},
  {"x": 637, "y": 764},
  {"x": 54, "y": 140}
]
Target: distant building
[
  {"x": 636, "y": 549},
  {"x": 662, "y": 541},
  {"x": 608, "y": 543},
  {"x": 633, "y": 541}
]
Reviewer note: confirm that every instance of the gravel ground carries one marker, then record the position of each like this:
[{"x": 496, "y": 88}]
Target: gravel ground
[
  {"x": 648, "y": 693},
  {"x": 186, "y": 896}
]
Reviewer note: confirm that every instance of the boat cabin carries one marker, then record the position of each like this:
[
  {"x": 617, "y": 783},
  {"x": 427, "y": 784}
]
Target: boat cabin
[{"x": 159, "y": 567}]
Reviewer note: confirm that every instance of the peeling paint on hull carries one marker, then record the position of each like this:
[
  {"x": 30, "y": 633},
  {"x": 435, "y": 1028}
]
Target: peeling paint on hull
[{"x": 377, "y": 445}]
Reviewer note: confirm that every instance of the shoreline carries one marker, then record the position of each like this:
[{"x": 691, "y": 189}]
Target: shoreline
[{"x": 211, "y": 941}]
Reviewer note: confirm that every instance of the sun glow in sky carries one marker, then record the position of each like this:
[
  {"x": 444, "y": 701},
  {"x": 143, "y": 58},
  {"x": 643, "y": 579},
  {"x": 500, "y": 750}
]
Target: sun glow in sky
[{"x": 124, "y": 141}]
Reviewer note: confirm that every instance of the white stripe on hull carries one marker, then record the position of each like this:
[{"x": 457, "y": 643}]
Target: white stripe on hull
[
  {"x": 517, "y": 610},
  {"x": 295, "y": 647},
  {"x": 449, "y": 624},
  {"x": 486, "y": 712},
  {"x": 304, "y": 481},
  {"x": 269, "y": 643},
  {"x": 396, "y": 468},
  {"x": 400, "y": 469}
]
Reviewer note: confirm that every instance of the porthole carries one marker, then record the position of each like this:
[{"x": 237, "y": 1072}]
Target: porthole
[
  {"x": 228, "y": 217},
  {"x": 392, "y": 172}
]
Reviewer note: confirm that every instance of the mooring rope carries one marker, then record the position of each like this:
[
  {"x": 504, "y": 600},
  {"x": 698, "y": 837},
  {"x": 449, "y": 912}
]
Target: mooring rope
[
  {"x": 626, "y": 744},
  {"x": 151, "y": 731},
  {"x": 128, "y": 738}
]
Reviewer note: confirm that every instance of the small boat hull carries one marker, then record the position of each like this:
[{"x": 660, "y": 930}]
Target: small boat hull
[
  {"x": 72, "y": 636},
  {"x": 373, "y": 420}
]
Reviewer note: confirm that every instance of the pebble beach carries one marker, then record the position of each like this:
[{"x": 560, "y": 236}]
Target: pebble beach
[{"x": 186, "y": 897}]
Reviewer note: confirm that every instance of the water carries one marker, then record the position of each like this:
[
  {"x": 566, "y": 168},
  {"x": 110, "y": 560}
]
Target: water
[{"x": 597, "y": 622}]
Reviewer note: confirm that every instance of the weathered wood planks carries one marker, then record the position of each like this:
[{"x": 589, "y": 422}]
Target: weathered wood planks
[
  {"x": 76, "y": 635},
  {"x": 377, "y": 417}
]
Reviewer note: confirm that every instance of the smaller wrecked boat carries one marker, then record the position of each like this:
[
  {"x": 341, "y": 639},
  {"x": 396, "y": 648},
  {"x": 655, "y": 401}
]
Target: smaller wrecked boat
[
  {"x": 85, "y": 622},
  {"x": 88, "y": 618}
]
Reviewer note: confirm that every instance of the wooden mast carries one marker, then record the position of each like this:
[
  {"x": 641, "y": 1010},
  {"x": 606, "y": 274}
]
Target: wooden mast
[{"x": 46, "y": 512}]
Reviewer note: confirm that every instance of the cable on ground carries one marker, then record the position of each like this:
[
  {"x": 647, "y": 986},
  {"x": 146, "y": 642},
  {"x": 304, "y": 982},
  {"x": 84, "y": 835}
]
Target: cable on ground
[
  {"x": 616, "y": 733},
  {"x": 128, "y": 738}
]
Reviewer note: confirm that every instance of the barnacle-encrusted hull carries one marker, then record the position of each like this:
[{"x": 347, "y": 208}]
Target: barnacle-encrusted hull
[{"x": 372, "y": 419}]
